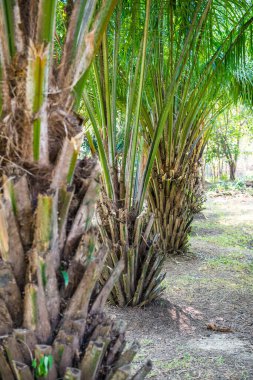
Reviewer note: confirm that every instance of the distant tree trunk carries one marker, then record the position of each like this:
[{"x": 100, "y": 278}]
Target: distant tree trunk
[
  {"x": 203, "y": 172},
  {"x": 232, "y": 170}
]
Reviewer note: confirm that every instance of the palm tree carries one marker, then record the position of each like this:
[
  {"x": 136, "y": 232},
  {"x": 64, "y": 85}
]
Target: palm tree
[
  {"x": 52, "y": 322},
  {"x": 113, "y": 105},
  {"x": 197, "y": 47}
]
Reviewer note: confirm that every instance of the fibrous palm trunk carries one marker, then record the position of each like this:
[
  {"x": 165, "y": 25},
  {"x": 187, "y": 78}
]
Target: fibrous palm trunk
[
  {"x": 50, "y": 304},
  {"x": 129, "y": 238},
  {"x": 175, "y": 196}
]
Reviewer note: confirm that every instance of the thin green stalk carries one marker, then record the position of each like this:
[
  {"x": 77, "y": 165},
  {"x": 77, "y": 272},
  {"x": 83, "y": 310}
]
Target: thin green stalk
[
  {"x": 110, "y": 127},
  {"x": 101, "y": 150},
  {"x": 134, "y": 136}
]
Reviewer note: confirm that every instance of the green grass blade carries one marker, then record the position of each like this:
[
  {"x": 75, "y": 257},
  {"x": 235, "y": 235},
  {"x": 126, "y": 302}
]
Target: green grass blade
[
  {"x": 134, "y": 137},
  {"x": 101, "y": 151}
]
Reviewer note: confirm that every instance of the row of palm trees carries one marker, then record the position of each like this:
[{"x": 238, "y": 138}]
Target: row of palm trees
[
  {"x": 162, "y": 75},
  {"x": 143, "y": 81}
]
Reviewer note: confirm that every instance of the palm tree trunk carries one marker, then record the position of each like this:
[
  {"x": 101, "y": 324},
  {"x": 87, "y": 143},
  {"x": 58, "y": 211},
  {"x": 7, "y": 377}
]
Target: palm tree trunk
[
  {"x": 128, "y": 237},
  {"x": 174, "y": 198},
  {"x": 49, "y": 270}
]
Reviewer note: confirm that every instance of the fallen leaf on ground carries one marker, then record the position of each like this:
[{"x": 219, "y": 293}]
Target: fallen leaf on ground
[{"x": 214, "y": 327}]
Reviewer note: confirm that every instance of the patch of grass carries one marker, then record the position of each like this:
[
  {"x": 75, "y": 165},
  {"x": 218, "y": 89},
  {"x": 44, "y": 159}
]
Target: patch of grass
[
  {"x": 187, "y": 286},
  {"x": 220, "y": 360},
  {"x": 228, "y": 263},
  {"x": 186, "y": 362},
  {"x": 245, "y": 375},
  {"x": 146, "y": 342},
  {"x": 184, "y": 281},
  {"x": 223, "y": 234},
  {"x": 146, "y": 345},
  {"x": 207, "y": 226},
  {"x": 224, "y": 231},
  {"x": 182, "y": 362},
  {"x": 230, "y": 238}
]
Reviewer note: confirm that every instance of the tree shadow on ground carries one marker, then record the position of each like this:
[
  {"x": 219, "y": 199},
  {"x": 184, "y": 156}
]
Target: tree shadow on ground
[{"x": 162, "y": 317}]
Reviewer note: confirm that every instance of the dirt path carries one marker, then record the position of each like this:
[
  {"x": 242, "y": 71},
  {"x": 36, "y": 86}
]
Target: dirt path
[{"x": 212, "y": 286}]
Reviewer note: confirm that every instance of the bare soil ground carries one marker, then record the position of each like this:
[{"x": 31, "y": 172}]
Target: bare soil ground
[{"x": 209, "y": 289}]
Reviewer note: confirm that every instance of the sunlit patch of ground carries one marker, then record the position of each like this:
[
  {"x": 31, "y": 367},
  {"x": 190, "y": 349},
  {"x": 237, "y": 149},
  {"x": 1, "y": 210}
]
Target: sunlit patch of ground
[{"x": 212, "y": 284}]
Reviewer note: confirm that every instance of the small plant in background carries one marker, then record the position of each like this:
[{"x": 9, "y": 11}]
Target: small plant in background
[{"x": 240, "y": 185}]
